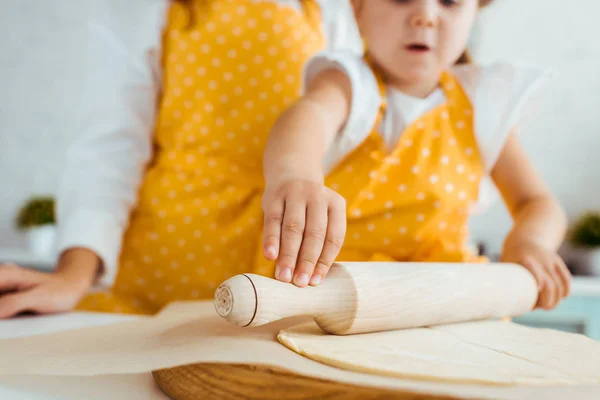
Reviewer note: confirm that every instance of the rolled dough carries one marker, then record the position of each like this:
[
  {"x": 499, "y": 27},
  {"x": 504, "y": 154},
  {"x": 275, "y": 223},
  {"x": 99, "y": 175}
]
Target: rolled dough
[{"x": 487, "y": 352}]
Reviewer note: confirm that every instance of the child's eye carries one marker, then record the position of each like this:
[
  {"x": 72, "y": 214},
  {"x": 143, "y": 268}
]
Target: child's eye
[
  {"x": 445, "y": 3},
  {"x": 449, "y": 3}
]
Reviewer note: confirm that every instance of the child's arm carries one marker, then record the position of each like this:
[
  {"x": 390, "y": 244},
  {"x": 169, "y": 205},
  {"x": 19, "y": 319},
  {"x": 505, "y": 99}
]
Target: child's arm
[
  {"x": 539, "y": 224},
  {"x": 305, "y": 222}
]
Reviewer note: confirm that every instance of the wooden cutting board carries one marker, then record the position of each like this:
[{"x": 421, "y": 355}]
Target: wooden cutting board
[
  {"x": 243, "y": 381},
  {"x": 225, "y": 381}
]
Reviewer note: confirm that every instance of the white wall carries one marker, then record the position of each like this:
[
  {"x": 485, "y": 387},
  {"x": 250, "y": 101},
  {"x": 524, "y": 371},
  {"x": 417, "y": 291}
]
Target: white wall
[
  {"x": 40, "y": 73},
  {"x": 564, "y": 139},
  {"x": 41, "y": 49}
]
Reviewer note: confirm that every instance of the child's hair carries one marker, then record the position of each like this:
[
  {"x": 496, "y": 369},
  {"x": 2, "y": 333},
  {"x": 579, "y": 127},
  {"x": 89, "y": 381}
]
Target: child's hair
[{"x": 465, "y": 57}]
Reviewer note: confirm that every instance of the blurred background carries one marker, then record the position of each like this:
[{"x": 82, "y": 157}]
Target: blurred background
[
  {"x": 563, "y": 138},
  {"x": 41, "y": 67}
]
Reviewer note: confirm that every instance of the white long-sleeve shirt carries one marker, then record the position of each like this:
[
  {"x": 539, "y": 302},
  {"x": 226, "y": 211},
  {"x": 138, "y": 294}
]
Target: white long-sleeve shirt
[{"x": 106, "y": 163}]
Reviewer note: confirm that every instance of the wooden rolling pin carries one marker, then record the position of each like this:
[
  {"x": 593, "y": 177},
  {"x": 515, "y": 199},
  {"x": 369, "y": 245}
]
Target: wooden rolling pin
[{"x": 362, "y": 297}]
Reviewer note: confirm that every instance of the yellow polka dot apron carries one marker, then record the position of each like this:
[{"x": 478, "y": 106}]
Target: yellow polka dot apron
[
  {"x": 412, "y": 203},
  {"x": 230, "y": 68}
]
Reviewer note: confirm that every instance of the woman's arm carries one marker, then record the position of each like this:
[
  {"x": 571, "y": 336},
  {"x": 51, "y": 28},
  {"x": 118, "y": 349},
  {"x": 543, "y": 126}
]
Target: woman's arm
[
  {"x": 104, "y": 165},
  {"x": 106, "y": 162}
]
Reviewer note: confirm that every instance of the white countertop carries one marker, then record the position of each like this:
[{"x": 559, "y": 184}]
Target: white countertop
[
  {"x": 19, "y": 387},
  {"x": 137, "y": 386},
  {"x": 27, "y": 326}
]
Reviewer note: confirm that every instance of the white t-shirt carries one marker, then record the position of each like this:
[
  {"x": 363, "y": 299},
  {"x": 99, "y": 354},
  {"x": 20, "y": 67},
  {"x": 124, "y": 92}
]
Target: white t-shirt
[
  {"x": 501, "y": 94},
  {"x": 116, "y": 118}
]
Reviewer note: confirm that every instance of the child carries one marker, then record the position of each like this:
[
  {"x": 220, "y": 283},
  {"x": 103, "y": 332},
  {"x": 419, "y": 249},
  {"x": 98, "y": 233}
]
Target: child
[{"x": 405, "y": 135}]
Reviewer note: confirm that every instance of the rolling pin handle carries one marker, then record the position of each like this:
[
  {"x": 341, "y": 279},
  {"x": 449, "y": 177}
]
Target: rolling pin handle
[{"x": 236, "y": 300}]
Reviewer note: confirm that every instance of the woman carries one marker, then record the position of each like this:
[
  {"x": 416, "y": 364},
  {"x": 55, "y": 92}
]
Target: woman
[{"x": 160, "y": 200}]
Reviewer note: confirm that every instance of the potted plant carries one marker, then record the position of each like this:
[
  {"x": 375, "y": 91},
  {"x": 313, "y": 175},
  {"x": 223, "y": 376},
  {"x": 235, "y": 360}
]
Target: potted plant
[
  {"x": 37, "y": 218},
  {"x": 584, "y": 244}
]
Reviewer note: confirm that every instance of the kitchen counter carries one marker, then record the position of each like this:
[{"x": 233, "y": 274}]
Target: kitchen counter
[
  {"x": 125, "y": 387},
  {"x": 579, "y": 313}
]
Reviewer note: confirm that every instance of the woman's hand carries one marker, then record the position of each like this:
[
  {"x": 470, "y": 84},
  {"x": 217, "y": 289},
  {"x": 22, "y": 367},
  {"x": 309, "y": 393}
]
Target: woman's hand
[{"x": 26, "y": 290}]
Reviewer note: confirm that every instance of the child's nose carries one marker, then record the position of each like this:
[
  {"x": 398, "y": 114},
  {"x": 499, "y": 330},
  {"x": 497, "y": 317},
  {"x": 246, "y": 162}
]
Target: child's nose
[{"x": 424, "y": 17}]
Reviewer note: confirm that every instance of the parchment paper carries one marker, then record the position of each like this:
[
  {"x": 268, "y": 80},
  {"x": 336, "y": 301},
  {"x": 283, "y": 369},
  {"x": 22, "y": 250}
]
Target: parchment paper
[{"x": 185, "y": 333}]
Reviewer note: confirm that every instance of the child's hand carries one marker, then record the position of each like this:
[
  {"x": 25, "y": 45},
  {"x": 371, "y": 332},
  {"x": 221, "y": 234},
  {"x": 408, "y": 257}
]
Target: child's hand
[
  {"x": 26, "y": 290},
  {"x": 549, "y": 270},
  {"x": 305, "y": 225}
]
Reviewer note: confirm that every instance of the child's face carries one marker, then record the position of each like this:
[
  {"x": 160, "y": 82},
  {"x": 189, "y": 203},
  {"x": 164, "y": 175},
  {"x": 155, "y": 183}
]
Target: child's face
[{"x": 415, "y": 40}]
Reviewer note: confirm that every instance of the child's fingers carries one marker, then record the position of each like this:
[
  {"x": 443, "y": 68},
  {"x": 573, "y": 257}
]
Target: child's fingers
[
  {"x": 545, "y": 285},
  {"x": 336, "y": 231},
  {"x": 312, "y": 242},
  {"x": 549, "y": 293},
  {"x": 565, "y": 275},
  {"x": 292, "y": 231},
  {"x": 272, "y": 230},
  {"x": 554, "y": 283},
  {"x": 536, "y": 270},
  {"x": 559, "y": 285}
]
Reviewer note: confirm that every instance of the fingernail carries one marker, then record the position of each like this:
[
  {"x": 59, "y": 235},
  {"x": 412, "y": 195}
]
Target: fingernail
[
  {"x": 285, "y": 274},
  {"x": 302, "y": 279},
  {"x": 272, "y": 251},
  {"x": 315, "y": 280}
]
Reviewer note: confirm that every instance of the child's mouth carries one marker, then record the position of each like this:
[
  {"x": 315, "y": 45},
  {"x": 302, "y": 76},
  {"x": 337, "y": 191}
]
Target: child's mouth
[{"x": 418, "y": 48}]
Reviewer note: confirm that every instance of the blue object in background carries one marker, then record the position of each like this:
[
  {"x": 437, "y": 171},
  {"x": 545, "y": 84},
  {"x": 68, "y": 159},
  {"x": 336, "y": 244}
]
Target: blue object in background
[{"x": 579, "y": 313}]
